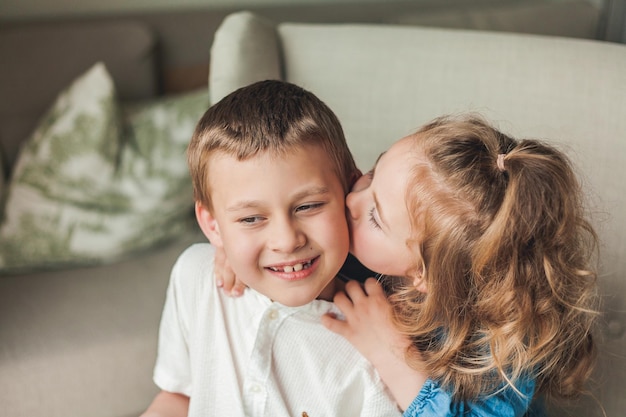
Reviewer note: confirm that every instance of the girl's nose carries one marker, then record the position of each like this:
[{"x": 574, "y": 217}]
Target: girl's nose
[
  {"x": 352, "y": 200},
  {"x": 355, "y": 198}
]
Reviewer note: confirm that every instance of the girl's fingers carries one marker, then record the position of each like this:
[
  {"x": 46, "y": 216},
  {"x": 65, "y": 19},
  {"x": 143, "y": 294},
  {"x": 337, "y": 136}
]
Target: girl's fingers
[
  {"x": 343, "y": 303},
  {"x": 355, "y": 291},
  {"x": 373, "y": 287},
  {"x": 228, "y": 279},
  {"x": 225, "y": 276},
  {"x": 238, "y": 289},
  {"x": 335, "y": 325}
]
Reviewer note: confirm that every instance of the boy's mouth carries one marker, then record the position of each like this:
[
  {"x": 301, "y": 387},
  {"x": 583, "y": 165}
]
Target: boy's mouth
[{"x": 295, "y": 267}]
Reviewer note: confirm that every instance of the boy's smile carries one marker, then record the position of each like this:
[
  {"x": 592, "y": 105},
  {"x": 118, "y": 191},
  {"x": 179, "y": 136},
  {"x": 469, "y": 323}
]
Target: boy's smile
[
  {"x": 293, "y": 271},
  {"x": 281, "y": 221}
]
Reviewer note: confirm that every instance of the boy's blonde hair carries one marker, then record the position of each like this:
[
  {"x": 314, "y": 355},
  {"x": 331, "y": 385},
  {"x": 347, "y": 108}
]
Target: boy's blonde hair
[
  {"x": 267, "y": 116},
  {"x": 505, "y": 251}
]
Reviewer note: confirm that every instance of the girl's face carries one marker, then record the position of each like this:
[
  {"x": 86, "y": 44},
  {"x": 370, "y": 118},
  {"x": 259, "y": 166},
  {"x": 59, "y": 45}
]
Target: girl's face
[{"x": 377, "y": 212}]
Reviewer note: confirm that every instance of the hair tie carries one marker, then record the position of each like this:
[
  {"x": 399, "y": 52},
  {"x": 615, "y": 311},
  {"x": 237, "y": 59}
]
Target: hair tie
[{"x": 501, "y": 162}]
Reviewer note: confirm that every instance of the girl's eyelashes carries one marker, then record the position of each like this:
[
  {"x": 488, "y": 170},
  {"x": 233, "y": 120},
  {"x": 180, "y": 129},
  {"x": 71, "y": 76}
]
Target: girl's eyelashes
[{"x": 372, "y": 218}]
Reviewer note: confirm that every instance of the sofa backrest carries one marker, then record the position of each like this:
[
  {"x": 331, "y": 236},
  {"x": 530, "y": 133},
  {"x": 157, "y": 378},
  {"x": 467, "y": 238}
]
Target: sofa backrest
[{"x": 384, "y": 81}]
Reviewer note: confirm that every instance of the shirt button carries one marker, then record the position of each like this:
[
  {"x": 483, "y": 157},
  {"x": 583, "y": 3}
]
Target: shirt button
[
  {"x": 255, "y": 388},
  {"x": 273, "y": 315}
]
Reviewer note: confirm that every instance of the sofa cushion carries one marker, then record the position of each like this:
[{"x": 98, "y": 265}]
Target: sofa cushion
[
  {"x": 248, "y": 40},
  {"x": 83, "y": 342},
  {"x": 97, "y": 182}
]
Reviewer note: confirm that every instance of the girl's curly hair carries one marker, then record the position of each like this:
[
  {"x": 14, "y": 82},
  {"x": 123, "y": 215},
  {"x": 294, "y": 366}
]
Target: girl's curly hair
[{"x": 505, "y": 250}]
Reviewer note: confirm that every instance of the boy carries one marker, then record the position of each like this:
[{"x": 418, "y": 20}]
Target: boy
[{"x": 270, "y": 169}]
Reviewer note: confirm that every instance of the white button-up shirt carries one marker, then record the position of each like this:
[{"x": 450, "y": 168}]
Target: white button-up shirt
[{"x": 250, "y": 356}]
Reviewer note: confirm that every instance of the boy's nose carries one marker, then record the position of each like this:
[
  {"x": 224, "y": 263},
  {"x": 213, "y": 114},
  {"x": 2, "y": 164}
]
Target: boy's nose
[{"x": 286, "y": 237}]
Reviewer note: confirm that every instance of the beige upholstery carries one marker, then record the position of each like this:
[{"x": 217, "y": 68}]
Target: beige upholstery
[
  {"x": 82, "y": 341},
  {"x": 86, "y": 335},
  {"x": 384, "y": 81}
]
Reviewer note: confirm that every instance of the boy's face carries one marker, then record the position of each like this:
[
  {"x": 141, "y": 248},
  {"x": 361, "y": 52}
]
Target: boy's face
[{"x": 280, "y": 220}]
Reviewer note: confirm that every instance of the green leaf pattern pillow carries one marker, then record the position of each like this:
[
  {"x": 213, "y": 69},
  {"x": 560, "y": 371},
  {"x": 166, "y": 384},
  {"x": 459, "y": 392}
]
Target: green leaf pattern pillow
[{"x": 97, "y": 182}]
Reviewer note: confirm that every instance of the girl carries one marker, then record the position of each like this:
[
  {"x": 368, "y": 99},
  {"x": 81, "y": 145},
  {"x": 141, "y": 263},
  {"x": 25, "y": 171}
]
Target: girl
[{"x": 486, "y": 255}]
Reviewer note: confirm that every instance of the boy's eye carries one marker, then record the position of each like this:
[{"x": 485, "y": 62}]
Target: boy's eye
[
  {"x": 309, "y": 206},
  {"x": 372, "y": 219},
  {"x": 250, "y": 220}
]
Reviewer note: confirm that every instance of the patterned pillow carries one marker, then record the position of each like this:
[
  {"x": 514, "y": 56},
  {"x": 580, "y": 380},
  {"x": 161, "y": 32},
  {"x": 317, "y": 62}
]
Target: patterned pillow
[{"x": 97, "y": 182}]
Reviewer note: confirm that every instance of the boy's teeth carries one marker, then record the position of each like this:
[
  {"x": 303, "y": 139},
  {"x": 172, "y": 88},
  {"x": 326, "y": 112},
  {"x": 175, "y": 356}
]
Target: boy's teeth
[{"x": 292, "y": 268}]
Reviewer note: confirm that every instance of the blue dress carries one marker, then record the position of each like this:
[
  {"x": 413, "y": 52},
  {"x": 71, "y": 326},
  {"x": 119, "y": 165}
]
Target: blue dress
[{"x": 433, "y": 401}]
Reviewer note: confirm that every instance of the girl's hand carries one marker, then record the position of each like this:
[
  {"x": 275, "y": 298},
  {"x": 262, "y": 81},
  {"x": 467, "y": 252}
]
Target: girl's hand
[
  {"x": 368, "y": 324},
  {"x": 224, "y": 275},
  {"x": 369, "y": 327}
]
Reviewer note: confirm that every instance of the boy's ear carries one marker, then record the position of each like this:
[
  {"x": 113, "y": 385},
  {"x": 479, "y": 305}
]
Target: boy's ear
[{"x": 208, "y": 225}]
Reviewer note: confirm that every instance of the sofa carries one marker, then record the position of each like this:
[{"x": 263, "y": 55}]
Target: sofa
[
  {"x": 383, "y": 82},
  {"x": 78, "y": 326}
]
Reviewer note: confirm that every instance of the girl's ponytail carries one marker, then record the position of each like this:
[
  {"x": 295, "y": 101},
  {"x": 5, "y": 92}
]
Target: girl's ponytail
[
  {"x": 505, "y": 252},
  {"x": 548, "y": 244}
]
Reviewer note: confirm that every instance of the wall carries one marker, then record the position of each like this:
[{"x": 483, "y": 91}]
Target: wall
[
  {"x": 21, "y": 9},
  {"x": 184, "y": 28},
  {"x": 37, "y": 9},
  {"x": 616, "y": 21}
]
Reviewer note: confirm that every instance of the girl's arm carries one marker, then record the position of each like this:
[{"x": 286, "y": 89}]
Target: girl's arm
[
  {"x": 224, "y": 275},
  {"x": 368, "y": 327},
  {"x": 168, "y": 404}
]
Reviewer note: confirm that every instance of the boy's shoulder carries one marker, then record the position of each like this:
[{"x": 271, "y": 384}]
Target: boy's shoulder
[
  {"x": 199, "y": 250},
  {"x": 194, "y": 266},
  {"x": 197, "y": 256}
]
